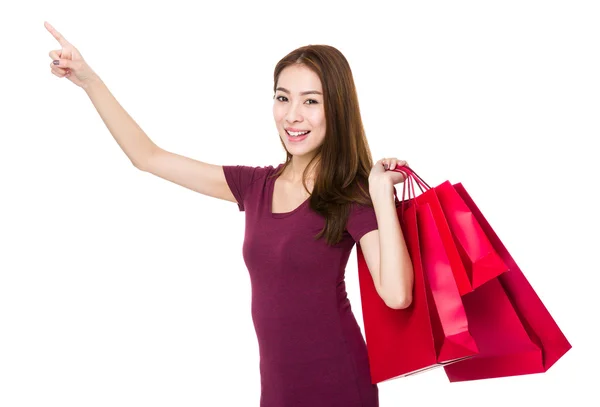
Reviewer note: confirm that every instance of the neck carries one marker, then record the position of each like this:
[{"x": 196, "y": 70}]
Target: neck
[{"x": 297, "y": 166}]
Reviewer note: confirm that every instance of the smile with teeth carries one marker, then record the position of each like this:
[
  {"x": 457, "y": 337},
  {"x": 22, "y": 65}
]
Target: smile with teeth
[{"x": 297, "y": 133}]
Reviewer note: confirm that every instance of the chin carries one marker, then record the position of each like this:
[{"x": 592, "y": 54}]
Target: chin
[{"x": 301, "y": 152}]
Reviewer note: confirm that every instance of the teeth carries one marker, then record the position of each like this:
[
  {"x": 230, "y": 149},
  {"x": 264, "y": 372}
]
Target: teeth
[{"x": 296, "y": 133}]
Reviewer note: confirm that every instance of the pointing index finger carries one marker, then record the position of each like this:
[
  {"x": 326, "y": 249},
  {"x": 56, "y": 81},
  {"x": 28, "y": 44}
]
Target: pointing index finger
[{"x": 61, "y": 40}]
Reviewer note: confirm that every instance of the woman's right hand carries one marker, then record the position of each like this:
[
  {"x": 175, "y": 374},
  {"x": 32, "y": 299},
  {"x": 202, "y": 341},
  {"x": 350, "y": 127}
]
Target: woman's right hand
[{"x": 71, "y": 63}]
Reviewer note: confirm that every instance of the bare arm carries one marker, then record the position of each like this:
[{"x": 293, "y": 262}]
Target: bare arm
[
  {"x": 126, "y": 132},
  {"x": 385, "y": 250},
  {"x": 207, "y": 179}
]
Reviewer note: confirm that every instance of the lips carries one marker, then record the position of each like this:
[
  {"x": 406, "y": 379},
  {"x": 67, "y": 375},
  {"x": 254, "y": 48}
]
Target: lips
[
  {"x": 304, "y": 132},
  {"x": 297, "y": 139}
]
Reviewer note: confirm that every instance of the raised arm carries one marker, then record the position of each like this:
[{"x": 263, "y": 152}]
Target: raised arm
[{"x": 208, "y": 179}]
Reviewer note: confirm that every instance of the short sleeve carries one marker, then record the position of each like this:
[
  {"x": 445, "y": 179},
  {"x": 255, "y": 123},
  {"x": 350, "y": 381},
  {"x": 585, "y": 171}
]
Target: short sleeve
[
  {"x": 239, "y": 179},
  {"x": 362, "y": 219}
]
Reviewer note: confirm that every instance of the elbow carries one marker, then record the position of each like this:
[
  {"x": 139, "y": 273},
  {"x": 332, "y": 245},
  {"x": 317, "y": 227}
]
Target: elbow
[
  {"x": 401, "y": 302},
  {"x": 143, "y": 161},
  {"x": 136, "y": 165},
  {"x": 402, "y": 297},
  {"x": 140, "y": 164}
]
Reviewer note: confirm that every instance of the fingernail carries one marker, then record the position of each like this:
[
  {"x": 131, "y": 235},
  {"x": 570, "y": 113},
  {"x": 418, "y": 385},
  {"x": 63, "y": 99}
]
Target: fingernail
[
  {"x": 385, "y": 166},
  {"x": 55, "y": 62}
]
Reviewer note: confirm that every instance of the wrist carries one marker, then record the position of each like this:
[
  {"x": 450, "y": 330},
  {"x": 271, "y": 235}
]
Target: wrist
[
  {"x": 93, "y": 82},
  {"x": 381, "y": 191}
]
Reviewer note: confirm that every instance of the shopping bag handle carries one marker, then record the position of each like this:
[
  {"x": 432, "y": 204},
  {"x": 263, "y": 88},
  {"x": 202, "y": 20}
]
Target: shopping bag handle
[
  {"x": 411, "y": 177},
  {"x": 407, "y": 184},
  {"x": 410, "y": 172}
]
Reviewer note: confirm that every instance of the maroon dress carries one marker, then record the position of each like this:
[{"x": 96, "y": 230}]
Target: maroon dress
[{"x": 312, "y": 351}]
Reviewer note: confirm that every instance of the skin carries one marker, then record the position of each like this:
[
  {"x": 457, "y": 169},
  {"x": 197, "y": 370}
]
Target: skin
[
  {"x": 384, "y": 249},
  {"x": 72, "y": 66}
]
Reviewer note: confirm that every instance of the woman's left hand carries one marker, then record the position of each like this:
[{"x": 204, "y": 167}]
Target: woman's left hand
[{"x": 379, "y": 171}]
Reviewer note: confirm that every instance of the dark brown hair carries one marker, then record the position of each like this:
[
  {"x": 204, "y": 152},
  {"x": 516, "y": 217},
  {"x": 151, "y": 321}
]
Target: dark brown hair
[{"x": 344, "y": 159}]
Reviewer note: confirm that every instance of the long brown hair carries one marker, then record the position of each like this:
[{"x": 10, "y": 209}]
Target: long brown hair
[{"x": 344, "y": 159}]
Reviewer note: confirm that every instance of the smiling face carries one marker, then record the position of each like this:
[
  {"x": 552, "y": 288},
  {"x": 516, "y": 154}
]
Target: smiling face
[{"x": 297, "y": 108}]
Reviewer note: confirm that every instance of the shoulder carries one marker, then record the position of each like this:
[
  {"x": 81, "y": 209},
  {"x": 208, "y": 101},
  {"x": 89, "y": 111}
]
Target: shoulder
[
  {"x": 248, "y": 174},
  {"x": 243, "y": 180},
  {"x": 361, "y": 219}
]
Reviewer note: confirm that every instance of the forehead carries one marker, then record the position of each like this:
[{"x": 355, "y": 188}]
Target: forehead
[{"x": 298, "y": 78}]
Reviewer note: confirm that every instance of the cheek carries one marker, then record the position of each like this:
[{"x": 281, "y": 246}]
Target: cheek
[
  {"x": 277, "y": 113},
  {"x": 322, "y": 123},
  {"x": 317, "y": 118}
]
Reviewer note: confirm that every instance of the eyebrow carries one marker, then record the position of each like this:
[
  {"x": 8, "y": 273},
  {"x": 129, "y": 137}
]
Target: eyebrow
[{"x": 308, "y": 92}]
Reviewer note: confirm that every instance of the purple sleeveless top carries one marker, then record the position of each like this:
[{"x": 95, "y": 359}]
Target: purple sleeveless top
[{"x": 312, "y": 351}]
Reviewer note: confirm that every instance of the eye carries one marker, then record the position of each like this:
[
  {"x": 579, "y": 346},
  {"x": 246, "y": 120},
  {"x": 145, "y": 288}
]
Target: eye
[{"x": 308, "y": 100}]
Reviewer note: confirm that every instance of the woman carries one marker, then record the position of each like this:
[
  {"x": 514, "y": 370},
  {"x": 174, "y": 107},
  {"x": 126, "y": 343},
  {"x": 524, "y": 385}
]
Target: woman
[{"x": 302, "y": 219}]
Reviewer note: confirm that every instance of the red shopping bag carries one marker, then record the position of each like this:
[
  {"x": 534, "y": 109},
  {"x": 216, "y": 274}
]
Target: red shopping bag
[
  {"x": 449, "y": 320},
  {"x": 481, "y": 261},
  {"x": 474, "y": 260},
  {"x": 514, "y": 331},
  {"x": 429, "y": 196},
  {"x": 433, "y": 331}
]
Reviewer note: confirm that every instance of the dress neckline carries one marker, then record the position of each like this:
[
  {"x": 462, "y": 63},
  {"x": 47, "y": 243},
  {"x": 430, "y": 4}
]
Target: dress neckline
[{"x": 271, "y": 191}]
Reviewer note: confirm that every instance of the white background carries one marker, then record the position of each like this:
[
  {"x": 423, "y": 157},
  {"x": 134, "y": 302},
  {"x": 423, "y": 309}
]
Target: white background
[{"x": 118, "y": 288}]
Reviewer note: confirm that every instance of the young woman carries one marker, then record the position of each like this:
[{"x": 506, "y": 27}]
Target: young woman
[{"x": 303, "y": 218}]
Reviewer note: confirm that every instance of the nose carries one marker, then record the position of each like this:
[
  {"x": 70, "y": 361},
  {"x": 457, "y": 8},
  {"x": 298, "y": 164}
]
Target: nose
[{"x": 293, "y": 113}]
